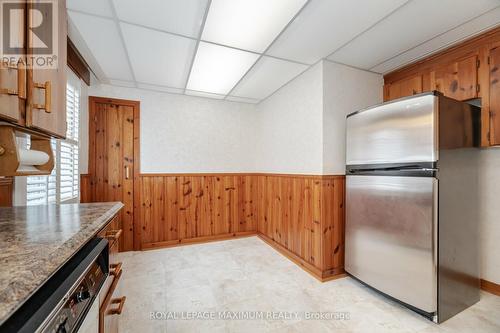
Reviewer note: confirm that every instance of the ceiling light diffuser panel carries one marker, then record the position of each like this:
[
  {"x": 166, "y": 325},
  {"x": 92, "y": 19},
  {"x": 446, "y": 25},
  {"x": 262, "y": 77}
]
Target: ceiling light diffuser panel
[
  {"x": 158, "y": 57},
  {"x": 216, "y": 69},
  {"x": 267, "y": 76},
  {"x": 183, "y": 17},
  {"x": 248, "y": 24}
]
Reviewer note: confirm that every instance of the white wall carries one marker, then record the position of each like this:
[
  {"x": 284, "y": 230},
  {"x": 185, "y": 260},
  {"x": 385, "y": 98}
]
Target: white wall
[
  {"x": 289, "y": 132},
  {"x": 302, "y": 126},
  {"x": 345, "y": 90},
  {"x": 489, "y": 224},
  {"x": 182, "y": 134}
]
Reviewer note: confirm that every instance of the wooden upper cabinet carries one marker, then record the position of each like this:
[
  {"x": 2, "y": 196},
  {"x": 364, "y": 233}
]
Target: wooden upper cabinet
[
  {"x": 403, "y": 88},
  {"x": 458, "y": 79},
  {"x": 494, "y": 69},
  {"x": 46, "y": 108},
  {"x": 13, "y": 76},
  {"x": 32, "y": 96}
]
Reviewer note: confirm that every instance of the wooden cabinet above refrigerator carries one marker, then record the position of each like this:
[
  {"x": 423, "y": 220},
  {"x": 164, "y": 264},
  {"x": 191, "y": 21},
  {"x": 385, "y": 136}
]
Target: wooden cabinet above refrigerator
[{"x": 465, "y": 72}]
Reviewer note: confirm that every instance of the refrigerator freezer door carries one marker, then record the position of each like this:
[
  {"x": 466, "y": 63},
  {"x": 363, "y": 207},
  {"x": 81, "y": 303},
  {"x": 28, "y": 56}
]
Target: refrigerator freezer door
[
  {"x": 391, "y": 232},
  {"x": 403, "y": 131}
]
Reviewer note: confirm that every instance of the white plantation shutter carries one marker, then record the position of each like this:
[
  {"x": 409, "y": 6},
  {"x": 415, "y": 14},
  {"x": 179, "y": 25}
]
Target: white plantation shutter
[
  {"x": 69, "y": 171},
  {"x": 63, "y": 183},
  {"x": 68, "y": 149}
]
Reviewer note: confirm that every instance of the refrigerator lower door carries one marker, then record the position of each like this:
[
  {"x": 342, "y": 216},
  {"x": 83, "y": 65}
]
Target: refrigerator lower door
[{"x": 391, "y": 233}]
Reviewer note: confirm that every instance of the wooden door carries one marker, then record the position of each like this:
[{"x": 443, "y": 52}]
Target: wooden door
[
  {"x": 113, "y": 158},
  {"x": 13, "y": 75},
  {"x": 405, "y": 87},
  {"x": 458, "y": 79},
  {"x": 494, "y": 60},
  {"x": 46, "y": 109}
]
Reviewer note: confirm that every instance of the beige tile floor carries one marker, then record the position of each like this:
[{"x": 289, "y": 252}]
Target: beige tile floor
[{"x": 248, "y": 276}]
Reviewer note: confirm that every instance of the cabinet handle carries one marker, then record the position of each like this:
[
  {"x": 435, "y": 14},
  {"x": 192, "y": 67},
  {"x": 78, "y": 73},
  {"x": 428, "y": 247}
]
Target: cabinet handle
[
  {"x": 121, "y": 302},
  {"x": 127, "y": 172},
  {"x": 21, "y": 83},
  {"x": 113, "y": 235},
  {"x": 116, "y": 269},
  {"x": 7, "y": 91},
  {"x": 47, "y": 86}
]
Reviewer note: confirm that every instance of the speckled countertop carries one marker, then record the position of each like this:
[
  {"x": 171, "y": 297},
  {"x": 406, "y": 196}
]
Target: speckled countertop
[{"x": 37, "y": 240}]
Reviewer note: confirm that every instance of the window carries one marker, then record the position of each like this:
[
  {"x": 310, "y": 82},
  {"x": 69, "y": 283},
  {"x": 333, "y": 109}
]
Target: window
[{"x": 63, "y": 183}]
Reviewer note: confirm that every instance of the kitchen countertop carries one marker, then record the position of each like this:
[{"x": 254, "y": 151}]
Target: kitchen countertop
[{"x": 35, "y": 241}]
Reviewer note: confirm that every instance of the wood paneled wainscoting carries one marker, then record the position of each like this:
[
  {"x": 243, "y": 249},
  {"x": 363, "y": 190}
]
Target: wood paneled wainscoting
[
  {"x": 196, "y": 207},
  {"x": 301, "y": 216}
]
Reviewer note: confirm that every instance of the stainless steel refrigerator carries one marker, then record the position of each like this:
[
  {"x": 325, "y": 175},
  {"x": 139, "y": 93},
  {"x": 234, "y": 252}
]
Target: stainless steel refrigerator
[{"x": 411, "y": 202}]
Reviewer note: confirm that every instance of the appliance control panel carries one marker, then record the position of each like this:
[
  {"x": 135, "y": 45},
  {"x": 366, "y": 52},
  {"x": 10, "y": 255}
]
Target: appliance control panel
[{"x": 77, "y": 302}]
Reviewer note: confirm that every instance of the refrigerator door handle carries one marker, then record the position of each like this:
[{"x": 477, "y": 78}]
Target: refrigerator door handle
[{"x": 353, "y": 171}]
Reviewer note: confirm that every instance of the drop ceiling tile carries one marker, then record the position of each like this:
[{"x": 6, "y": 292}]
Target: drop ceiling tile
[
  {"x": 204, "y": 94},
  {"x": 325, "y": 25},
  {"x": 411, "y": 25},
  {"x": 96, "y": 7},
  {"x": 249, "y": 25},
  {"x": 267, "y": 76},
  {"x": 103, "y": 39},
  {"x": 242, "y": 99},
  {"x": 216, "y": 69},
  {"x": 476, "y": 26},
  {"x": 159, "y": 88},
  {"x": 178, "y": 16},
  {"x": 158, "y": 57}
]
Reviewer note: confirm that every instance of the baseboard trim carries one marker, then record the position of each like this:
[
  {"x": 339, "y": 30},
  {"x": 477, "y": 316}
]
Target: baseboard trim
[
  {"x": 490, "y": 287},
  {"x": 196, "y": 240},
  {"x": 320, "y": 275}
]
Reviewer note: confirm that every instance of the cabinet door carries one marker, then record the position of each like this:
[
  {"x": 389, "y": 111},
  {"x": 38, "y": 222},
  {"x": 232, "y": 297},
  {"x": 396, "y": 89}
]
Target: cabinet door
[
  {"x": 405, "y": 87},
  {"x": 495, "y": 96},
  {"x": 458, "y": 80},
  {"x": 13, "y": 73},
  {"x": 46, "y": 109}
]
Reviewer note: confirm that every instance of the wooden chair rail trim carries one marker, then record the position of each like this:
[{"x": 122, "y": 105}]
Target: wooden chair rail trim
[{"x": 222, "y": 174}]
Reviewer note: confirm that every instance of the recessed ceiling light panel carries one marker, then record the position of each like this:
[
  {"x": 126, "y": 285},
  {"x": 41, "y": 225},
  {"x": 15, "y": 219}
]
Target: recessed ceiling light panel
[
  {"x": 248, "y": 24},
  {"x": 217, "y": 69}
]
